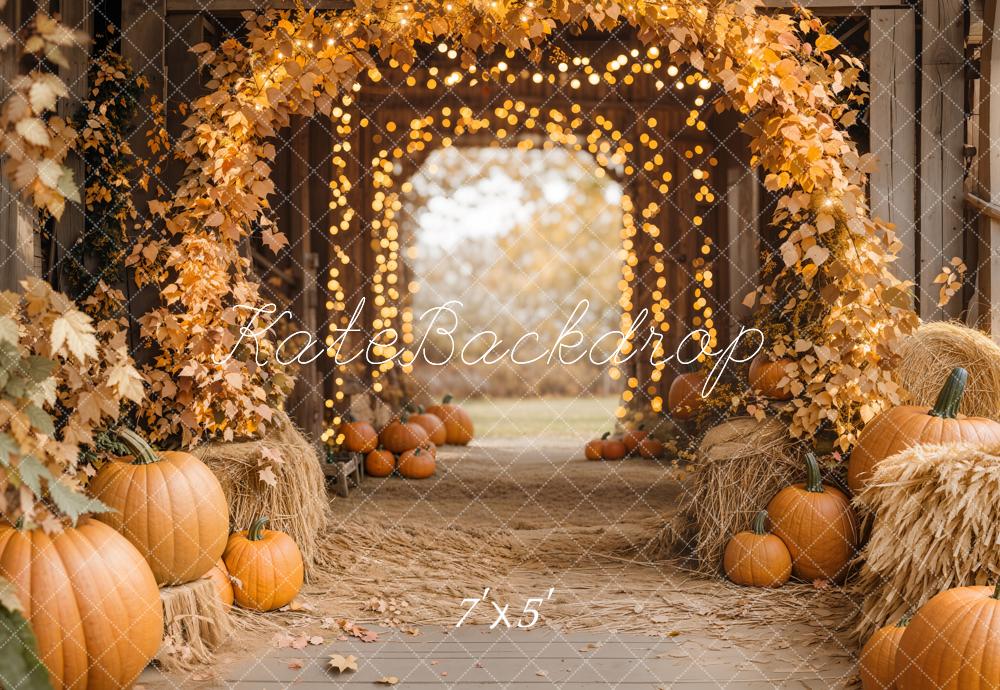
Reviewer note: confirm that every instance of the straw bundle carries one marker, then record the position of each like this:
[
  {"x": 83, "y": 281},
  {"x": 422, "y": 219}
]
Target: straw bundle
[
  {"x": 297, "y": 504},
  {"x": 195, "y": 623},
  {"x": 937, "y": 525},
  {"x": 741, "y": 464},
  {"x": 937, "y": 347}
]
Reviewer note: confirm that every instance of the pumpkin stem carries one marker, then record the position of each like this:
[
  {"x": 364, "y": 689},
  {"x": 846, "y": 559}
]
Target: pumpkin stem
[
  {"x": 420, "y": 409},
  {"x": 760, "y": 523},
  {"x": 814, "y": 480},
  {"x": 256, "y": 527},
  {"x": 950, "y": 397},
  {"x": 142, "y": 453},
  {"x": 996, "y": 591},
  {"x": 604, "y": 436},
  {"x": 404, "y": 418},
  {"x": 447, "y": 399},
  {"x": 642, "y": 426},
  {"x": 347, "y": 417}
]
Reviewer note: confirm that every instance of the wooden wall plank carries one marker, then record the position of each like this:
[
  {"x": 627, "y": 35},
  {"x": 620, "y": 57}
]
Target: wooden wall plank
[
  {"x": 942, "y": 120},
  {"x": 988, "y": 172},
  {"x": 893, "y": 128}
]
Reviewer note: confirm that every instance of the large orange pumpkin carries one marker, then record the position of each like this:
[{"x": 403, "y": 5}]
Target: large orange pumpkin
[
  {"x": 684, "y": 397},
  {"x": 169, "y": 505},
  {"x": 817, "y": 524},
  {"x": 901, "y": 427},
  {"x": 91, "y": 600},
  {"x": 952, "y": 642},
  {"x": 650, "y": 448},
  {"x": 219, "y": 576},
  {"x": 613, "y": 449},
  {"x": 765, "y": 377},
  {"x": 359, "y": 437},
  {"x": 416, "y": 464},
  {"x": 432, "y": 424},
  {"x": 594, "y": 448},
  {"x": 267, "y": 567},
  {"x": 756, "y": 558},
  {"x": 401, "y": 435},
  {"x": 877, "y": 660},
  {"x": 633, "y": 437},
  {"x": 379, "y": 463},
  {"x": 457, "y": 422}
]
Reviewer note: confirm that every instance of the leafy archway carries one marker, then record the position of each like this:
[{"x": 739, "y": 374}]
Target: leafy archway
[{"x": 780, "y": 72}]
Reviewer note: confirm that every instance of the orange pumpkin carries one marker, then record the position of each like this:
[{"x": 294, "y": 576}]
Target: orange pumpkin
[
  {"x": 219, "y": 576},
  {"x": 766, "y": 376},
  {"x": 457, "y": 422},
  {"x": 91, "y": 600},
  {"x": 877, "y": 660},
  {"x": 633, "y": 437},
  {"x": 416, "y": 464},
  {"x": 169, "y": 505},
  {"x": 266, "y": 565},
  {"x": 902, "y": 427},
  {"x": 379, "y": 463},
  {"x": 650, "y": 448},
  {"x": 952, "y": 642},
  {"x": 594, "y": 449},
  {"x": 402, "y": 435},
  {"x": 684, "y": 397},
  {"x": 613, "y": 449},
  {"x": 359, "y": 437},
  {"x": 817, "y": 524},
  {"x": 756, "y": 558},
  {"x": 432, "y": 424}
]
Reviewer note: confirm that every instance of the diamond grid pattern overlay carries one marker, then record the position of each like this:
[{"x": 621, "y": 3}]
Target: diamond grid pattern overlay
[{"x": 937, "y": 255}]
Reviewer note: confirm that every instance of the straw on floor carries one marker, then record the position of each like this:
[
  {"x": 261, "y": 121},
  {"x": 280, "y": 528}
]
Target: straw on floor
[{"x": 936, "y": 526}]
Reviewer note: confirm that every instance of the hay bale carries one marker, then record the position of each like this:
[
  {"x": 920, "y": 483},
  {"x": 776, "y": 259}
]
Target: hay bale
[
  {"x": 937, "y": 347},
  {"x": 195, "y": 624},
  {"x": 297, "y": 504},
  {"x": 936, "y": 526},
  {"x": 740, "y": 465}
]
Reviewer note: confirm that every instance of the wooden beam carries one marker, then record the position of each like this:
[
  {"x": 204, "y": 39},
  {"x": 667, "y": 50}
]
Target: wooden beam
[
  {"x": 942, "y": 139},
  {"x": 893, "y": 128},
  {"x": 235, "y": 6},
  {"x": 988, "y": 174}
]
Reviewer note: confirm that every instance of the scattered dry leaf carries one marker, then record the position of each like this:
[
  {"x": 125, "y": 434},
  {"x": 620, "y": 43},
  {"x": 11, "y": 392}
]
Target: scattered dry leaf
[
  {"x": 341, "y": 663},
  {"x": 388, "y": 680}
]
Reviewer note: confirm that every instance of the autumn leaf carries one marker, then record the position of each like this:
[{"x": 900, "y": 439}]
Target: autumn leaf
[
  {"x": 74, "y": 330},
  {"x": 387, "y": 680},
  {"x": 267, "y": 476},
  {"x": 341, "y": 663},
  {"x": 33, "y": 131}
]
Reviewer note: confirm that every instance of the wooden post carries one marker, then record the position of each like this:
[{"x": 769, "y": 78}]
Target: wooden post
[
  {"x": 893, "y": 128},
  {"x": 18, "y": 219},
  {"x": 942, "y": 135},
  {"x": 988, "y": 173}
]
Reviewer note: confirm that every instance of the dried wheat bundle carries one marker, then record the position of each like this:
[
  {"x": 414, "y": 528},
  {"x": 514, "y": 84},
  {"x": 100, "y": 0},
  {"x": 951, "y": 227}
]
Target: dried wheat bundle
[
  {"x": 195, "y": 624},
  {"x": 740, "y": 465},
  {"x": 297, "y": 504},
  {"x": 934, "y": 349},
  {"x": 936, "y": 526}
]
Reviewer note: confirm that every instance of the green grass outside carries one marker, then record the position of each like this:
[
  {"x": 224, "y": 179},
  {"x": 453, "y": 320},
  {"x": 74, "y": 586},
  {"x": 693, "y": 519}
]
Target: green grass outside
[{"x": 568, "y": 417}]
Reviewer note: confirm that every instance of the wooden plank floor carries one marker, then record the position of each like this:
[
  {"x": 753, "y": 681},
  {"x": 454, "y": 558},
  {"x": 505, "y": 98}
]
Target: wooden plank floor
[{"x": 477, "y": 658}]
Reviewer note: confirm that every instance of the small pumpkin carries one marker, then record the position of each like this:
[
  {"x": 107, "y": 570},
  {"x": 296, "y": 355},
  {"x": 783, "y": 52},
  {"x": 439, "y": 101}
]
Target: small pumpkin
[
  {"x": 169, "y": 505},
  {"x": 91, "y": 601},
  {"x": 613, "y": 449},
  {"x": 633, "y": 437},
  {"x": 359, "y": 436},
  {"x": 756, "y": 558},
  {"x": 877, "y": 660},
  {"x": 219, "y": 576},
  {"x": 416, "y": 464},
  {"x": 905, "y": 426},
  {"x": 650, "y": 448},
  {"x": 684, "y": 396},
  {"x": 457, "y": 422},
  {"x": 952, "y": 642},
  {"x": 432, "y": 424},
  {"x": 401, "y": 435},
  {"x": 594, "y": 448},
  {"x": 766, "y": 376},
  {"x": 267, "y": 566},
  {"x": 817, "y": 524},
  {"x": 380, "y": 463}
]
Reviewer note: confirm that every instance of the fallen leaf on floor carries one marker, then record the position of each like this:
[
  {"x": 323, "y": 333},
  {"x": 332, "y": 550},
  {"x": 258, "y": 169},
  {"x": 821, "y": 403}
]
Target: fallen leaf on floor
[
  {"x": 388, "y": 680},
  {"x": 300, "y": 642},
  {"x": 358, "y": 631},
  {"x": 377, "y": 605},
  {"x": 281, "y": 640},
  {"x": 479, "y": 664},
  {"x": 673, "y": 633},
  {"x": 298, "y": 605},
  {"x": 444, "y": 673},
  {"x": 342, "y": 663},
  {"x": 435, "y": 662},
  {"x": 315, "y": 640},
  {"x": 542, "y": 673},
  {"x": 296, "y": 663},
  {"x": 410, "y": 630}
]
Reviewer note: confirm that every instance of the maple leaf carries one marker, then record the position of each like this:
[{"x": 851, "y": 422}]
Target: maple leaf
[
  {"x": 387, "y": 680},
  {"x": 295, "y": 663},
  {"x": 128, "y": 382},
  {"x": 341, "y": 663},
  {"x": 74, "y": 330},
  {"x": 268, "y": 476}
]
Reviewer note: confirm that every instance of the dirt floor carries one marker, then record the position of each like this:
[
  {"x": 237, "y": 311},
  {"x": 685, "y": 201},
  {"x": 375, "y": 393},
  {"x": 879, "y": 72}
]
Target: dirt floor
[{"x": 529, "y": 517}]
